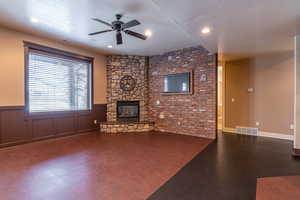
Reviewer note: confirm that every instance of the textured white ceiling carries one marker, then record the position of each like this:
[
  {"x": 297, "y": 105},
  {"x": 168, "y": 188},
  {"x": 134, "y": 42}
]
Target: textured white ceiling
[{"x": 239, "y": 27}]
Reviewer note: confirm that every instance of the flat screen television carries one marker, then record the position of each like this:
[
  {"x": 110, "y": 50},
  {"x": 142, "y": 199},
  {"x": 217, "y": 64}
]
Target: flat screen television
[{"x": 178, "y": 83}]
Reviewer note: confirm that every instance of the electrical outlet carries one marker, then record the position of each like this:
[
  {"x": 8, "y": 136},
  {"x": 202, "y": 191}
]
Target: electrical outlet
[
  {"x": 157, "y": 102},
  {"x": 232, "y": 100},
  {"x": 95, "y": 121},
  {"x": 256, "y": 123},
  {"x": 292, "y": 126}
]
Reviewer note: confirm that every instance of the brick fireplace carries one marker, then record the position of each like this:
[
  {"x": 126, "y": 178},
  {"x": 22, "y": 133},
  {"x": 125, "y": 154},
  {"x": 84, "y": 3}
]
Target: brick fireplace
[
  {"x": 136, "y": 84},
  {"x": 128, "y": 111},
  {"x": 127, "y": 95}
]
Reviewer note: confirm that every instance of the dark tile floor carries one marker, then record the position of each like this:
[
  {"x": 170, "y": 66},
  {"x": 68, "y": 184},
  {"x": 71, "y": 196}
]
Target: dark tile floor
[
  {"x": 94, "y": 166},
  {"x": 228, "y": 169}
]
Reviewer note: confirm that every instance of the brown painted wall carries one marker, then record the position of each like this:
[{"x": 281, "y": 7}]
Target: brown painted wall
[
  {"x": 12, "y": 66},
  {"x": 15, "y": 127},
  {"x": 271, "y": 103},
  {"x": 184, "y": 114}
]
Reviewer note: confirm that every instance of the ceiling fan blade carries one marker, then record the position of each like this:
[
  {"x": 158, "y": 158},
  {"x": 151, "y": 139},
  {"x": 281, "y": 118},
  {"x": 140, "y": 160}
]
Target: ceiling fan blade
[
  {"x": 135, "y": 34},
  {"x": 119, "y": 38},
  {"x": 99, "y": 32},
  {"x": 101, "y": 21},
  {"x": 130, "y": 24}
]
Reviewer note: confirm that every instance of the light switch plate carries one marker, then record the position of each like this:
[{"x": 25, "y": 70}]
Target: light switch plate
[{"x": 250, "y": 89}]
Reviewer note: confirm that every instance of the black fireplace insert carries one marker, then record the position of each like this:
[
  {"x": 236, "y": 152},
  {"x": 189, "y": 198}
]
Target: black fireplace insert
[{"x": 128, "y": 111}]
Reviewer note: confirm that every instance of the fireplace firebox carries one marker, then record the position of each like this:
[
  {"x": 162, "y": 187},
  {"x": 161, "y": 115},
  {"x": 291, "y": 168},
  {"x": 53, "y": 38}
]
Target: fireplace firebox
[{"x": 128, "y": 111}]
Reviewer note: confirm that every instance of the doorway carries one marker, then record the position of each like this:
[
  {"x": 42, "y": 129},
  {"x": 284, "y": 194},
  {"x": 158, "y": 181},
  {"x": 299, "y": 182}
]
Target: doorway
[{"x": 220, "y": 98}]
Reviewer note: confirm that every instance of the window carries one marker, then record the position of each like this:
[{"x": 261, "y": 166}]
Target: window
[
  {"x": 177, "y": 83},
  {"x": 56, "y": 82}
]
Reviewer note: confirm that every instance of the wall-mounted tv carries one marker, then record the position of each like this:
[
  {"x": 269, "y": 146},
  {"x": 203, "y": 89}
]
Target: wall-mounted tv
[{"x": 178, "y": 83}]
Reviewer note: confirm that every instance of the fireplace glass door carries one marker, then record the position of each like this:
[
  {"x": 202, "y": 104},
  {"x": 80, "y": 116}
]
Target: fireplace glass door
[{"x": 128, "y": 111}]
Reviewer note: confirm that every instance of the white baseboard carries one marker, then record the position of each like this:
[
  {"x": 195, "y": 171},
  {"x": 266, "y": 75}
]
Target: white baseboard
[
  {"x": 276, "y": 135},
  {"x": 188, "y": 134},
  {"x": 229, "y": 130},
  {"x": 265, "y": 134}
]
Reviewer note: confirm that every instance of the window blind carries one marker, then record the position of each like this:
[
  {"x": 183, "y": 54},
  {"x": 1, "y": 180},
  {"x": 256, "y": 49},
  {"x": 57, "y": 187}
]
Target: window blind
[{"x": 58, "y": 84}]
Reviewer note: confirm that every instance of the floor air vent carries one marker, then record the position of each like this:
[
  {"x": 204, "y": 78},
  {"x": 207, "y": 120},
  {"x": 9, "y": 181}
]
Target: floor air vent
[{"x": 247, "y": 130}]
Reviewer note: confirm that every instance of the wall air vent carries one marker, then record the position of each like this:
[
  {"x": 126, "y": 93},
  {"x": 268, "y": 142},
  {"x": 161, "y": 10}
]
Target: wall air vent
[{"x": 247, "y": 130}]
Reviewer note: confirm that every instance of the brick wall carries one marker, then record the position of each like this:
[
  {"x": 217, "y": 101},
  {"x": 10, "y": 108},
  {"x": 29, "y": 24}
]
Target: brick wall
[{"x": 184, "y": 114}]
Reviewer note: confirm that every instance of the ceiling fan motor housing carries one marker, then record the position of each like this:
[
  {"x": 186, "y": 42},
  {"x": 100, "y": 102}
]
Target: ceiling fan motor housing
[
  {"x": 117, "y": 25},
  {"x": 118, "y": 16}
]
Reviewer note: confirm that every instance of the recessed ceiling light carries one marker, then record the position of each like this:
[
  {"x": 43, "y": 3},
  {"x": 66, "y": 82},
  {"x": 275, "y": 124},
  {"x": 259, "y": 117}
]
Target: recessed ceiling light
[
  {"x": 148, "y": 33},
  {"x": 205, "y": 30},
  {"x": 34, "y": 20},
  {"x": 109, "y": 46}
]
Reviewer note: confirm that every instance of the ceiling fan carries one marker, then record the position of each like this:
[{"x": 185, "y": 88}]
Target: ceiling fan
[{"x": 120, "y": 26}]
